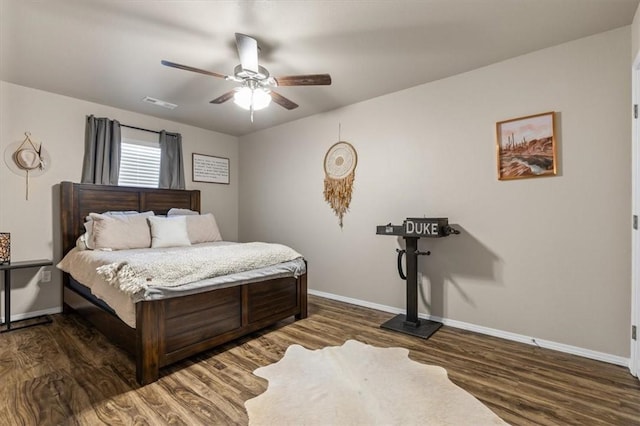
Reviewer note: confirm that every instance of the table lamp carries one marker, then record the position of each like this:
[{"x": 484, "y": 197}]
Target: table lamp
[{"x": 5, "y": 247}]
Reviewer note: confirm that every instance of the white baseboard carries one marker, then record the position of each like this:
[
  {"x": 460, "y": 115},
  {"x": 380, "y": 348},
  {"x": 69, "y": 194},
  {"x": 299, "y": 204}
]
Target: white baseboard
[
  {"x": 33, "y": 314},
  {"x": 574, "y": 350}
]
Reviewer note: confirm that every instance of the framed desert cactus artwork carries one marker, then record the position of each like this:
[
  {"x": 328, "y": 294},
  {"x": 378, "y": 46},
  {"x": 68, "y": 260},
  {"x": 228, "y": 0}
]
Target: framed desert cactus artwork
[{"x": 526, "y": 147}]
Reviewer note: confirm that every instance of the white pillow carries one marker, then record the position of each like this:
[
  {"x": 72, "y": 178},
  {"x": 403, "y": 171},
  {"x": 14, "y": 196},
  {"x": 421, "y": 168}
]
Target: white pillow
[
  {"x": 120, "y": 232},
  {"x": 87, "y": 237},
  {"x": 169, "y": 231},
  {"x": 117, "y": 212},
  {"x": 181, "y": 212},
  {"x": 81, "y": 242},
  {"x": 202, "y": 228}
]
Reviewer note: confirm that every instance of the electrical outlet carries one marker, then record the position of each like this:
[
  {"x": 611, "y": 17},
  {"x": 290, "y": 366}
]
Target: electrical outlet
[{"x": 45, "y": 276}]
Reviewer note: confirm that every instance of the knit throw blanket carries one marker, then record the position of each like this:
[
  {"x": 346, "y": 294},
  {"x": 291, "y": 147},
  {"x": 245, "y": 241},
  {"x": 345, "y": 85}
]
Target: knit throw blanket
[{"x": 170, "y": 268}]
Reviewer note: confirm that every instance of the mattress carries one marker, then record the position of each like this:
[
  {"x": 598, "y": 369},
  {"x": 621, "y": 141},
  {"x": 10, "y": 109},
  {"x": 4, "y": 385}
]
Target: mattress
[{"x": 81, "y": 266}]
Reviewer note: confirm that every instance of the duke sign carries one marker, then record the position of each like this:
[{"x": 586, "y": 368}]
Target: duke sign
[
  {"x": 417, "y": 227},
  {"x": 425, "y": 227}
]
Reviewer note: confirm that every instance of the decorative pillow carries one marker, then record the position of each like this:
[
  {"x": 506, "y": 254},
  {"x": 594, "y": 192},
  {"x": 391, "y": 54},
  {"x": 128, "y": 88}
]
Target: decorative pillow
[
  {"x": 81, "y": 242},
  {"x": 169, "y": 231},
  {"x": 120, "y": 232},
  {"x": 117, "y": 212},
  {"x": 88, "y": 225},
  {"x": 202, "y": 228},
  {"x": 87, "y": 237},
  {"x": 181, "y": 212}
]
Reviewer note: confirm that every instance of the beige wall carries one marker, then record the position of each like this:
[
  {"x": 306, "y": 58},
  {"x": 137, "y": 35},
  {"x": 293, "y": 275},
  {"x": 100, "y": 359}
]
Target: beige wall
[
  {"x": 635, "y": 35},
  {"x": 59, "y": 122},
  {"x": 546, "y": 257}
]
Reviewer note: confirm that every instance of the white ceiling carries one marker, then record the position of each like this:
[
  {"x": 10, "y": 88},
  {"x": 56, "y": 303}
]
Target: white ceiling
[{"x": 109, "y": 51}]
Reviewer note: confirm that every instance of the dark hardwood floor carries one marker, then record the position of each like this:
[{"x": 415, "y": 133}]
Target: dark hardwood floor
[{"x": 66, "y": 373}]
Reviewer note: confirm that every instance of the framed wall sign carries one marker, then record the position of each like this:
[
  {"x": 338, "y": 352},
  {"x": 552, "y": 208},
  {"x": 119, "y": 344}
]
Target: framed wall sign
[
  {"x": 526, "y": 147},
  {"x": 207, "y": 168}
]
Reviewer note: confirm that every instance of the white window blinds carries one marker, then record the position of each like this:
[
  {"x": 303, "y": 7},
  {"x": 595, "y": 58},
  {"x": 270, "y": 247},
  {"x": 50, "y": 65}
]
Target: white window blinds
[{"x": 139, "y": 163}]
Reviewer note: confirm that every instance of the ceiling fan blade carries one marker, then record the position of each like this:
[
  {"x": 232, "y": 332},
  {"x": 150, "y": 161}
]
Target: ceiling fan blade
[
  {"x": 282, "y": 101},
  {"x": 304, "y": 80},
  {"x": 188, "y": 68},
  {"x": 223, "y": 98},
  {"x": 248, "y": 52}
]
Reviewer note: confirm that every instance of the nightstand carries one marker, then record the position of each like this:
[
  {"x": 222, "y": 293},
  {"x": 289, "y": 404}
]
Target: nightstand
[{"x": 7, "y": 268}]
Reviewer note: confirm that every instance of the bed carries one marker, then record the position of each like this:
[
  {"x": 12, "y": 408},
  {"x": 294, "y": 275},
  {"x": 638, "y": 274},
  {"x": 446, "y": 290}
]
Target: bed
[{"x": 171, "y": 329}]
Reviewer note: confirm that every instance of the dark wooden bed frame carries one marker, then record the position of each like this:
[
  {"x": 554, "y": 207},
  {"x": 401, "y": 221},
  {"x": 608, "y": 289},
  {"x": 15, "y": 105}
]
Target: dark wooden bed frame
[{"x": 172, "y": 329}]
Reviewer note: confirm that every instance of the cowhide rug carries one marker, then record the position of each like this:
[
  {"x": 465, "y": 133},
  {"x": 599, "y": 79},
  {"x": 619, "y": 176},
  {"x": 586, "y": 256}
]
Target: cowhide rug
[{"x": 358, "y": 384}]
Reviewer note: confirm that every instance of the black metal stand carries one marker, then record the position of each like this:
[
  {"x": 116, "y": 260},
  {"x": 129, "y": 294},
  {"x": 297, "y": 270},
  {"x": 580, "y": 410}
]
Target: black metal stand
[
  {"x": 410, "y": 323},
  {"x": 29, "y": 322}
]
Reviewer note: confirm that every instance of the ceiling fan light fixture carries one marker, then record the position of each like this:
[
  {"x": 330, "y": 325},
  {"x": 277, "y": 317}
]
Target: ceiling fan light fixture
[
  {"x": 255, "y": 92},
  {"x": 245, "y": 97}
]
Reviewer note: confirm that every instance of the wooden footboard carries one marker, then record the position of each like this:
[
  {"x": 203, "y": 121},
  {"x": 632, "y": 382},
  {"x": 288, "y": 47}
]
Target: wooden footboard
[{"x": 173, "y": 329}]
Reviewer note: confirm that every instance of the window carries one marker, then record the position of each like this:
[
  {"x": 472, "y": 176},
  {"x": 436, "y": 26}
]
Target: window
[{"x": 139, "y": 163}]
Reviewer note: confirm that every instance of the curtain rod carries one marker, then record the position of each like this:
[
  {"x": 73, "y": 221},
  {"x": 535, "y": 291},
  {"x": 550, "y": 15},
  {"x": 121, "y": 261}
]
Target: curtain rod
[{"x": 140, "y": 128}]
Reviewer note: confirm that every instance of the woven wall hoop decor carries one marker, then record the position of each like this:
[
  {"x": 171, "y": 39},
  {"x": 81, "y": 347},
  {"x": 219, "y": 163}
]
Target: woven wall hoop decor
[{"x": 340, "y": 164}]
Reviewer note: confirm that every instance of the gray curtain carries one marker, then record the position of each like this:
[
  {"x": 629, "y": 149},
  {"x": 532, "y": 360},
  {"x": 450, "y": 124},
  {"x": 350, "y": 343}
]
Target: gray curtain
[
  {"x": 171, "y": 165},
  {"x": 101, "y": 151}
]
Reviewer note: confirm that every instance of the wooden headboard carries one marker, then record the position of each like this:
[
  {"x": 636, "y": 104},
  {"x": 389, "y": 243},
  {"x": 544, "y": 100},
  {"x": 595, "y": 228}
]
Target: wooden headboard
[{"x": 79, "y": 199}]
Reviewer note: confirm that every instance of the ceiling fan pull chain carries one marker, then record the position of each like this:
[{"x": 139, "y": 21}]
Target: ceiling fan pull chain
[{"x": 251, "y": 105}]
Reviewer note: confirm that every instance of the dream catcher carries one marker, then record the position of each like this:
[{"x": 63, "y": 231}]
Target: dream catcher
[
  {"x": 339, "y": 173},
  {"x": 27, "y": 158}
]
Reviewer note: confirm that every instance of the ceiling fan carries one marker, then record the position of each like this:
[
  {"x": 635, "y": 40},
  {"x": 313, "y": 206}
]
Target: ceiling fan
[{"x": 256, "y": 84}]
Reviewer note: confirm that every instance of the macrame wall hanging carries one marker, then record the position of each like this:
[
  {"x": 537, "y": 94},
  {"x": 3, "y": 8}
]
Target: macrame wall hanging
[
  {"x": 339, "y": 173},
  {"x": 27, "y": 159}
]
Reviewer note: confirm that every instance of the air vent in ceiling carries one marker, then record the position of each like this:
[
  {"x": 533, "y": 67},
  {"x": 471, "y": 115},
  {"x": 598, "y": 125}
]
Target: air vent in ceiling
[{"x": 158, "y": 102}]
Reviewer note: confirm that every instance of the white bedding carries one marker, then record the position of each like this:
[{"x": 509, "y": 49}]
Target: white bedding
[{"x": 82, "y": 266}]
